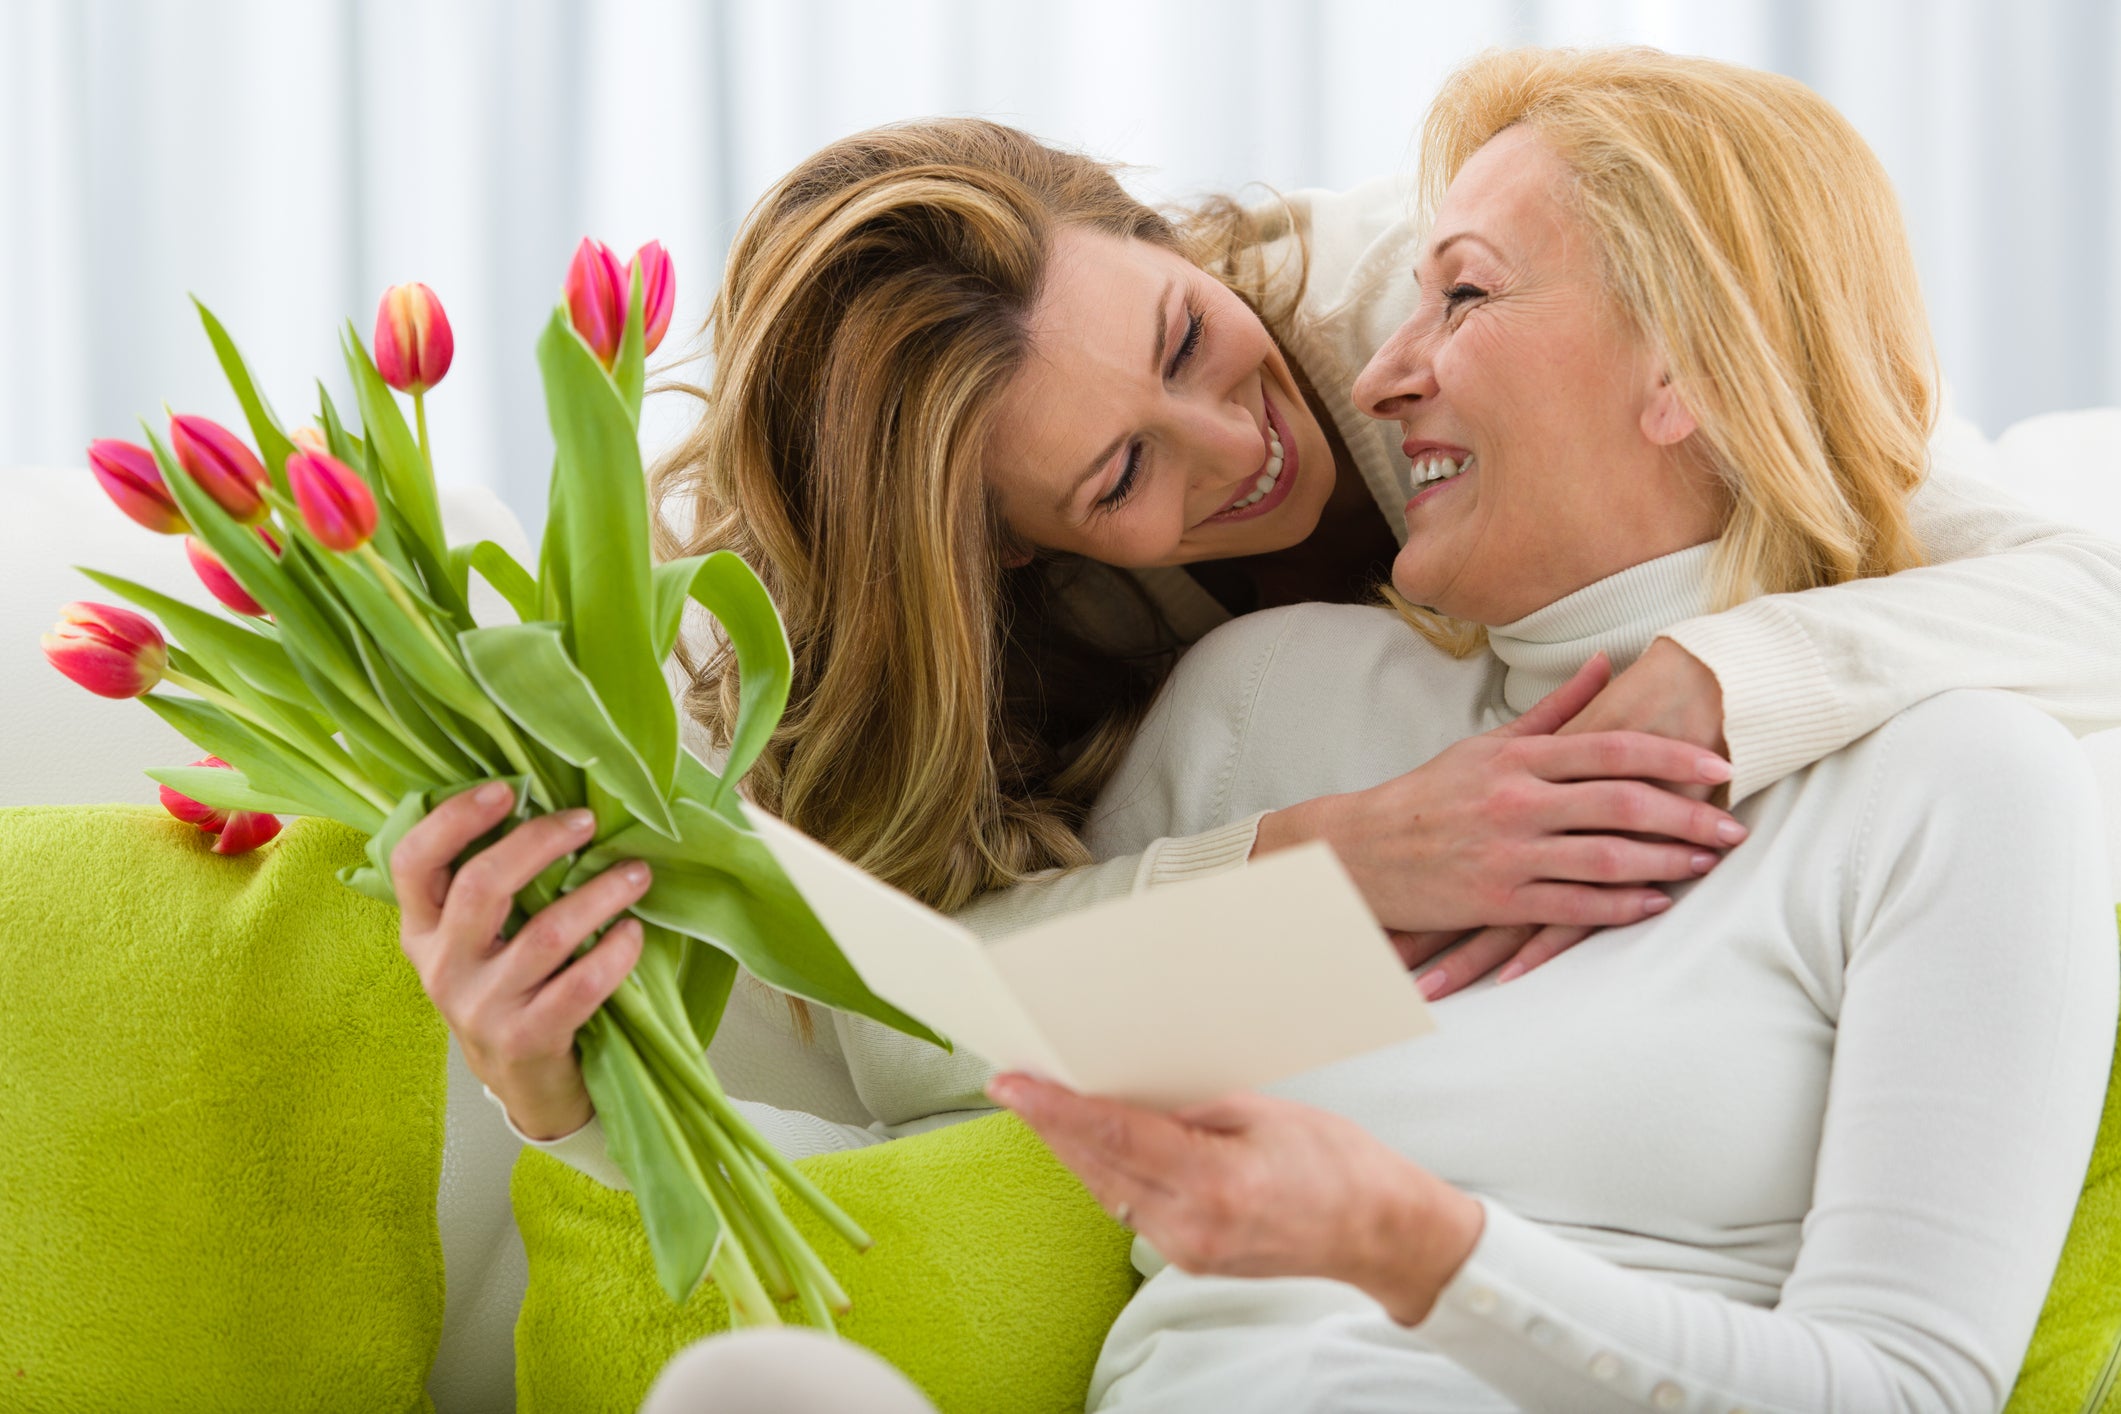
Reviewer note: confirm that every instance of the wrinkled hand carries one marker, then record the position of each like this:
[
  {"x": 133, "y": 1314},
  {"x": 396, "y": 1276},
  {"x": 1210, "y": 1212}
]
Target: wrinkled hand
[
  {"x": 1522, "y": 825},
  {"x": 514, "y": 1006},
  {"x": 1250, "y": 1186}
]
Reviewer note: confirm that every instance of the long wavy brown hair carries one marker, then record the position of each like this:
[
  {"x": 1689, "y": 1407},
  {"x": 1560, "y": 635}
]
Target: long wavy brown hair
[{"x": 948, "y": 726}]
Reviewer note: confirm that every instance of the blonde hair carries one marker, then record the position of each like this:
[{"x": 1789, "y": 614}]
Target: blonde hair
[
  {"x": 946, "y": 730},
  {"x": 1751, "y": 235}
]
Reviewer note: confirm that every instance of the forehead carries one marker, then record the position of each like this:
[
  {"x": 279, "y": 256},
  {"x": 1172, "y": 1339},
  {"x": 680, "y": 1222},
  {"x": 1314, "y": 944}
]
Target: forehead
[
  {"x": 1093, "y": 332},
  {"x": 1513, "y": 191}
]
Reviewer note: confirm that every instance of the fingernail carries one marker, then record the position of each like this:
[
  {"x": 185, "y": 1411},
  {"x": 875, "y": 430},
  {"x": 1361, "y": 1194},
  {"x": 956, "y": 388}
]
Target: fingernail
[
  {"x": 579, "y": 822},
  {"x": 1657, "y": 903},
  {"x": 1730, "y": 831},
  {"x": 1511, "y": 971},
  {"x": 636, "y": 873},
  {"x": 1001, "y": 1090},
  {"x": 1432, "y": 984},
  {"x": 1703, "y": 862},
  {"x": 493, "y": 793},
  {"x": 1715, "y": 769}
]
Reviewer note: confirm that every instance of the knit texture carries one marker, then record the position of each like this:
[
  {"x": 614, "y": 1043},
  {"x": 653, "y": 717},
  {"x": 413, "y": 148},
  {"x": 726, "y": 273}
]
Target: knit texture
[
  {"x": 992, "y": 1282},
  {"x": 222, "y": 1092},
  {"x": 2079, "y": 1338}
]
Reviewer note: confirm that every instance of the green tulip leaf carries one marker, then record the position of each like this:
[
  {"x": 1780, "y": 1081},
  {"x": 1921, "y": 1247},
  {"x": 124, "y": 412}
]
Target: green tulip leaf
[
  {"x": 223, "y": 790},
  {"x": 399, "y": 463},
  {"x": 629, "y": 369},
  {"x": 265, "y": 764},
  {"x": 498, "y": 568},
  {"x": 525, "y": 669},
  {"x": 273, "y": 445},
  {"x": 719, "y": 883},
  {"x": 597, "y": 547},
  {"x": 731, "y": 590},
  {"x": 647, "y": 1143},
  {"x": 705, "y": 980}
]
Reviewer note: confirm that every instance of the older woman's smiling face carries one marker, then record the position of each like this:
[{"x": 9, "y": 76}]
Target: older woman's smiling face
[{"x": 1574, "y": 456}]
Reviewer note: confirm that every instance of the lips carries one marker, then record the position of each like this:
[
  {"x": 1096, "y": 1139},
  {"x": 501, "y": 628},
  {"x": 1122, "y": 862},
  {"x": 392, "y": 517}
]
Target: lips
[{"x": 1277, "y": 491}]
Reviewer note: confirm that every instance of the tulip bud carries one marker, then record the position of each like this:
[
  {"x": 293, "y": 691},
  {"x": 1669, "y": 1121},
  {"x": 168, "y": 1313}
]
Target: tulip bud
[
  {"x": 596, "y": 298},
  {"x": 336, "y": 504},
  {"x": 310, "y": 438},
  {"x": 413, "y": 342},
  {"x": 191, "y": 812},
  {"x": 224, "y": 468},
  {"x": 245, "y": 831},
  {"x": 659, "y": 291},
  {"x": 110, "y": 651},
  {"x": 129, "y": 474},
  {"x": 217, "y": 579}
]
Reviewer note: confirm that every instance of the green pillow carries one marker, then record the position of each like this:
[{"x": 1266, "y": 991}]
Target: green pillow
[
  {"x": 2075, "y": 1356},
  {"x": 992, "y": 1283},
  {"x": 223, "y": 1091}
]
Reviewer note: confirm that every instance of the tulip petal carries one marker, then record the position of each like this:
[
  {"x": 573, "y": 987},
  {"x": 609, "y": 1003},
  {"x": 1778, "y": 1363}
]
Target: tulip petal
[
  {"x": 112, "y": 652},
  {"x": 337, "y": 506},
  {"x": 245, "y": 831},
  {"x": 658, "y": 291},
  {"x": 128, "y": 474},
  {"x": 223, "y": 467}
]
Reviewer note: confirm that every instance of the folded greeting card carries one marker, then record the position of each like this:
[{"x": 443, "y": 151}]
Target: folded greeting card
[{"x": 1165, "y": 998}]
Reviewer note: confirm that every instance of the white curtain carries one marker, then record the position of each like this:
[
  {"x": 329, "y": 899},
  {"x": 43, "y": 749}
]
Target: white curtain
[{"x": 285, "y": 160}]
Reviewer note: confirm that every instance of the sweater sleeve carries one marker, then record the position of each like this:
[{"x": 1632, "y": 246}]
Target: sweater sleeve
[
  {"x": 2008, "y": 601},
  {"x": 1964, "y": 1097}
]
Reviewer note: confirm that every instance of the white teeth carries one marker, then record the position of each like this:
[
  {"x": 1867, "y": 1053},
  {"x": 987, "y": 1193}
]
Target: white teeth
[
  {"x": 1438, "y": 469},
  {"x": 1268, "y": 476}
]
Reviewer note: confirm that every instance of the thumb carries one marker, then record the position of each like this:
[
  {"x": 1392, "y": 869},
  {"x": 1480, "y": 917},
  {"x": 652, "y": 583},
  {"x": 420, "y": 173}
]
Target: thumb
[{"x": 1553, "y": 711}]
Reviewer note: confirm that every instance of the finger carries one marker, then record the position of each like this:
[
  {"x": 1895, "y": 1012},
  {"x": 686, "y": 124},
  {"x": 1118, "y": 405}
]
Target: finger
[
  {"x": 1638, "y": 808},
  {"x": 567, "y": 999},
  {"x": 543, "y": 945},
  {"x": 1546, "y": 945},
  {"x": 1138, "y": 1145},
  {"x": 1480, "y": 954},
  {"x": 421, "y": 864},
  {"x": 1553, "y": 711},
  {"x": 1586, "y": 905},
  {"x": 1624, "y": 756},
  {"x": 486, "y": 884},
  {"x": 1414, "y": 949},
  {"x": 1609, "y": 859}
]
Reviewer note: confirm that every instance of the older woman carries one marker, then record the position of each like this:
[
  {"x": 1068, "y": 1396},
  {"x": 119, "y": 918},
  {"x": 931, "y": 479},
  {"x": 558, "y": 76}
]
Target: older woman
[{"x": 1805, "y": 1141}]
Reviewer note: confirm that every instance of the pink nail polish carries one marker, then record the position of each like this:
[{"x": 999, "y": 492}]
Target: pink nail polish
[
  {"x": 1657, "y": 904},
  {"x": 1511, "y": 972},
  {"x": 1432, "y": 984},
  {"x": 1703, "y": 862},
  {"x": 1730, "y": 831}
]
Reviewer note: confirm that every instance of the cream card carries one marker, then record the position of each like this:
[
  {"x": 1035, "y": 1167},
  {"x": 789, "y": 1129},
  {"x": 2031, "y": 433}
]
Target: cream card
[{"x": 1165, "y": 998}]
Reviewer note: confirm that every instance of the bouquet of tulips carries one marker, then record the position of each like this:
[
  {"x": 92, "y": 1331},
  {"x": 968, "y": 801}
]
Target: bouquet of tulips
[{"x": 347, "y": 679}]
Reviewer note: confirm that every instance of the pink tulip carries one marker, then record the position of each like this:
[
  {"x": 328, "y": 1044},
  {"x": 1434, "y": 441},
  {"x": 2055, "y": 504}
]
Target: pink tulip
[
  {"x": 191, "y": 812},
  {"x": 224, "y": 468},
  {"x": 413, "y": 342},
  {"x": 218, "y": 580},
  {"x": 336, "y": 504},
  {"x": 245, "y": 831},
  {"x": 659, "y": 290},
  {"x": 129, "y": 474},
  {"x": 110, "y": 651},
  {"x": 596, "y": 298}
]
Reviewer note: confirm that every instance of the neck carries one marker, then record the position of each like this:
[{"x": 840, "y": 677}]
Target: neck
[{"x": 1619, "y": 616}]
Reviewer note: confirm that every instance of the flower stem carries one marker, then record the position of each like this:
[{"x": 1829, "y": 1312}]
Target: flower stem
[
  {"x": 419, "y": 417},
  {"x": 342, "y": 772}
]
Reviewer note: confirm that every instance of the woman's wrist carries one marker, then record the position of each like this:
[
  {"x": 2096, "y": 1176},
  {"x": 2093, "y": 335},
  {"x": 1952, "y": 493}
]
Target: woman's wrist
[
  {"x": 547, "y": 1103},
  {"x": 1420, "y": 1232},
  {"x": 1293, "y": 825}
]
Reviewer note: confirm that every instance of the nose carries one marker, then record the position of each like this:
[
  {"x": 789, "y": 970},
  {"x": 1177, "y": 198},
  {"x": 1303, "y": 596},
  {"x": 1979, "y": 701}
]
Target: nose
[{"x": 1401, "y": 373}]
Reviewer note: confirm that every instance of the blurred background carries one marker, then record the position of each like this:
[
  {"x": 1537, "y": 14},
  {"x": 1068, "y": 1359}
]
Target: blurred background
[{"x": 286, "y": 160}]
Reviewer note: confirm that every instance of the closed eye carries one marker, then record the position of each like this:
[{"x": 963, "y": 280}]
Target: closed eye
[{"x": 1456, "y": 295}]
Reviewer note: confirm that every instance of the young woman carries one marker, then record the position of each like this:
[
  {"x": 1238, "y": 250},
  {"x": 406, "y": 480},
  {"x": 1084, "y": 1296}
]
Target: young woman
[{"x": 1803, "y": 1142}]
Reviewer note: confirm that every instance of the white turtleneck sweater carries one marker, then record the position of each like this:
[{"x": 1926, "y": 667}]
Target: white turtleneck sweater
[{"x": 1810, "y": 1140}]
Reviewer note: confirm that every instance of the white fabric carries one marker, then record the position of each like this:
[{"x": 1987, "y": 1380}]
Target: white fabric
[{"x": 1809, "y": 1140}]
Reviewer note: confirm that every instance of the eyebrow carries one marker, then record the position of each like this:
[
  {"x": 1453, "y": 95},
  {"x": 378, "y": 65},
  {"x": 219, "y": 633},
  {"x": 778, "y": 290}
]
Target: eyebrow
[
  {"x": 1156, "y": 370},
  {"x": 1436, "y": 251}
]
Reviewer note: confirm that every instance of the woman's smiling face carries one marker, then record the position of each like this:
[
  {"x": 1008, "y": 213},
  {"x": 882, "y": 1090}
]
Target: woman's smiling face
[
  {"x": 1555, "y": 450},
  {"x": 1155, "y": 422}
]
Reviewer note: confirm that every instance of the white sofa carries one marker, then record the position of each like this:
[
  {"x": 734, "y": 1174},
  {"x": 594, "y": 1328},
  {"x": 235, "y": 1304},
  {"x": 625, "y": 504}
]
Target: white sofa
[{"x": 63, "y": 746}]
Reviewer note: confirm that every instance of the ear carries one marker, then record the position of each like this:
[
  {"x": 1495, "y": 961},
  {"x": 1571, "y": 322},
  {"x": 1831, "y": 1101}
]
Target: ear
[
  {"x": 1666, "y": 419},
  {"x": 1015, "y": 558}
]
